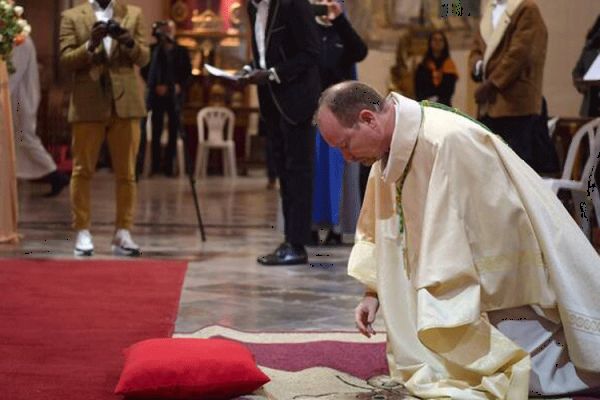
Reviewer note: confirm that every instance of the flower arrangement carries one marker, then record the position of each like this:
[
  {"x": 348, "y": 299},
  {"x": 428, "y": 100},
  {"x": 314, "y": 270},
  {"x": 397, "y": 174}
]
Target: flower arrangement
[{"x": 13, "y": 30}]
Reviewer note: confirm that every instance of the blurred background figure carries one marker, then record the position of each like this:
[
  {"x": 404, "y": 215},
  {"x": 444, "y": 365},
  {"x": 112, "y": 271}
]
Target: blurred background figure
[
  {"x": 508, "y": 58},
  {"x": 167, "y": 76},
  {"x": 436, "y": 75},
  {"x": 591, "y": 91},
  {"x": 335, "y": 181},
  {"x": 33, "y": 161}
]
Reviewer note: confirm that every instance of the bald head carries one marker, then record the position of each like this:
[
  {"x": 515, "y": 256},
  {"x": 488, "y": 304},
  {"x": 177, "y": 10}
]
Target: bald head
[
  {"x": 354, "y": 118},
  {"x": 347, "y": 99}
]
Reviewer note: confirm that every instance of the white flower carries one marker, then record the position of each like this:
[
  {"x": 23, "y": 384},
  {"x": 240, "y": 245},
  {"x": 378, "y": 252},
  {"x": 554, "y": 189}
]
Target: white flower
[
  {"x": 27, "y": 29},
  {"x": 22, "y": 23},
  {"x": 7, "y": 6},
  {"x": 1, "y": 38},
  {"x": 19, "y": 11}
]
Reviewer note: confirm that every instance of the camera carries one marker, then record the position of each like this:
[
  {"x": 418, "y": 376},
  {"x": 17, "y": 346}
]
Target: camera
[
  {"x": 319, "y": 10},
  {"x": 158, "y": 33}
]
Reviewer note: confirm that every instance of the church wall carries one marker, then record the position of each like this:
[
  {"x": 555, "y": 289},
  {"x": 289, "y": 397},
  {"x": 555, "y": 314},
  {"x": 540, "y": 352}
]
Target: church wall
[{"x": 568, "y": 21}]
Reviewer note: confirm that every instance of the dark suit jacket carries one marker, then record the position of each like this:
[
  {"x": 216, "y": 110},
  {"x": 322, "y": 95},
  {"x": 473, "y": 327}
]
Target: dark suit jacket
[
  {"x": 341, "y": 48},
  {"x": 292, "y": 49},
  {"x": 159, "y": 72}
]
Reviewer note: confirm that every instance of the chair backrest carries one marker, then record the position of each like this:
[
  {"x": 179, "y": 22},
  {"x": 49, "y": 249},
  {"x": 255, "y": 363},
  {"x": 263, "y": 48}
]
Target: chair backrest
[
  {"x": 591, "y": 133},
  {"x": 149, "y": 124},
  {"x": 552, "y": 122},
  {"x": 219, "y": 121}
]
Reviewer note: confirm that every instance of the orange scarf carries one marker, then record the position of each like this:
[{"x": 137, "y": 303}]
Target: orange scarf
[{"x": 437, "y": 74}]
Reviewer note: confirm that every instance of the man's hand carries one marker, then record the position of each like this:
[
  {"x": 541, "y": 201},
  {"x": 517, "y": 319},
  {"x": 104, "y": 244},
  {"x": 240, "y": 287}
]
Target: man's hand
[
  {"x": 334, "y": 9},
  {"x": 98, "y": 33},
  {"x": 126, "y": 39},
  {"x": 485, "y": 93},
  {"x": 161, "y": 90},
  {"x": 364, "y": 314},
  {"x": 256, "y": 77}
]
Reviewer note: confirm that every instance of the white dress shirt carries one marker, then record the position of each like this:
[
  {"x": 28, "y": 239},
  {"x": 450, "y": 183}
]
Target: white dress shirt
[
  {"x": 498, "y": 11},
  {"x": 104, "y": 14},
  {"x": 260, "y": 28}
]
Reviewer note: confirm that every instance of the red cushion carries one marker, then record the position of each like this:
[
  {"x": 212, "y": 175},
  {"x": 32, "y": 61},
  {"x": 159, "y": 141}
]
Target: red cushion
[{"x": 189, "y": 368}]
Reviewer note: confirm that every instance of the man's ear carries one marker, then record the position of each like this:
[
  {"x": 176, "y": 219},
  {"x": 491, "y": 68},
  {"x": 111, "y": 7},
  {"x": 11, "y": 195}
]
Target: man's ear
[{"x": 367, "y": 117}]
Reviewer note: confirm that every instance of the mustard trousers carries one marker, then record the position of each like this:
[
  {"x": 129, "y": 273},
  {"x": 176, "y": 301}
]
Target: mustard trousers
[{"x": 123, "y": 138}]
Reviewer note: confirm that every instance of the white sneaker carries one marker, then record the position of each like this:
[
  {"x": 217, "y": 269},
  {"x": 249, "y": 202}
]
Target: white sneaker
[
  {"x": 84, "y": 247},
  {"x": 123, "y": 245}
]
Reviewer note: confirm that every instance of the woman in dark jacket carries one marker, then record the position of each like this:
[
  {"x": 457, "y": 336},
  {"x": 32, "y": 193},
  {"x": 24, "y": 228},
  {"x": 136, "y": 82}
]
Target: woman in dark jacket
[{"x": 436, "y": 75}]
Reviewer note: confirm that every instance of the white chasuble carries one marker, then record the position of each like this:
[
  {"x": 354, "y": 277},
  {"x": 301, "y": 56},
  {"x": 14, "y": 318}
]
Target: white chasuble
[{"x": 479, "y": 233}]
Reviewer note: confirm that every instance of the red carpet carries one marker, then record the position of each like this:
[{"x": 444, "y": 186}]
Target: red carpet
[{"x": 63, "y": 324}]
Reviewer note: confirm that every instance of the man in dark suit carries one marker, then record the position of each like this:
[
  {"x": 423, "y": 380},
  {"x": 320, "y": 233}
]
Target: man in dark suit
[
  {"x": 167, "y": 75},
  {"x": 285, "y": 47}
]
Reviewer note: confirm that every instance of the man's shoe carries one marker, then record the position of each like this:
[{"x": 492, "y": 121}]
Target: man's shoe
[
  {"x": 84, "y": 247},
  {"x": 123, "y": 245},
  {"x": 58, "y": 180},
  {"x": 285, "y": 254}
]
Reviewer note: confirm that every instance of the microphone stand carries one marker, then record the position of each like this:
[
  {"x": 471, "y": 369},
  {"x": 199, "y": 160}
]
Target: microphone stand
[{"x": 188, "y": 161}]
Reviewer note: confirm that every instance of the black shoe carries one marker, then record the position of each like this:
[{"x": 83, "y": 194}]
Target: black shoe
[
  {"x": 333, "y": 239},
  {"x": 58, "y": 181},
  {"x": 285, "y": 254}
]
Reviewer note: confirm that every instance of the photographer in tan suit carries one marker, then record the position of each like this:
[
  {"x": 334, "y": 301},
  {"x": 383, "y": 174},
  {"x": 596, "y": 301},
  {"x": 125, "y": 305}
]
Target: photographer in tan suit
[
  {"x": 100, "y": 42},
  {"x": 508, "y": 57}
]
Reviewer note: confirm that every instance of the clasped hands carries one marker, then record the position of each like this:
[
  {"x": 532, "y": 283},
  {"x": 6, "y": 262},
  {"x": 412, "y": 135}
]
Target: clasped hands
[{"x": 486, "y": 93}]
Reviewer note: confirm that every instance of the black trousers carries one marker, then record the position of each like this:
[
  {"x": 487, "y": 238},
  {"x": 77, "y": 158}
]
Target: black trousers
[
  {"x": 293, "y": 153},
  {"x": 164, "y": 105},
  {"x": 517, "y": 132}
]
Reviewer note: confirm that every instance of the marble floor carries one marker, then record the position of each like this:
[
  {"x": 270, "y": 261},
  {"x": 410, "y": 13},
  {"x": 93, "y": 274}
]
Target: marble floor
[{"x": 224, "y": 284}]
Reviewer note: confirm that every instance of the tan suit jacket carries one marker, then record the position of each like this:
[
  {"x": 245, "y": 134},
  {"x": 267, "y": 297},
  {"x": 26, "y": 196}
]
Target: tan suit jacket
[
  {"x": 103, "y": 82},
  {"x": 513, "y": 57}
]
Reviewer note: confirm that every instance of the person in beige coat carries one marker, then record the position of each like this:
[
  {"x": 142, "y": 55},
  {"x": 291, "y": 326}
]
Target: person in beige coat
[
  {"x": 508, "y": 58},
  {"x": 100, "y": 43}
]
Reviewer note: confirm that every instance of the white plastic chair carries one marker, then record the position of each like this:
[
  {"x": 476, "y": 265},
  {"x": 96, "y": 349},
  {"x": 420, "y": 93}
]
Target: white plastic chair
[
  {"x": 552, "y": 122},
  {"x": 579, "y": 188},
  {"x": 164, "y": 138},
  {"x": 219, "y": 121}
]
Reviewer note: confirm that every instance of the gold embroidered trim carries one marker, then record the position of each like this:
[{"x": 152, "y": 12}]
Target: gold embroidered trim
[
  {"x": 584, "y": 323},
  {"x": 509, "y": 261}
]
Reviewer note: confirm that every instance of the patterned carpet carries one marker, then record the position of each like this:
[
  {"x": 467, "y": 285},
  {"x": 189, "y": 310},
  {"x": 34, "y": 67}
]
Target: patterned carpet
[{"x": 318, "y": 365}]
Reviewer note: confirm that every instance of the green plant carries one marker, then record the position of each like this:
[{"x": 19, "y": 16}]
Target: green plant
[{"x": 13, "y": 30}]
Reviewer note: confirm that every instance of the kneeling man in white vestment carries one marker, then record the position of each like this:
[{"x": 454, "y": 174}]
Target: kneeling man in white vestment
[{"x": 488, "y": 288}]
